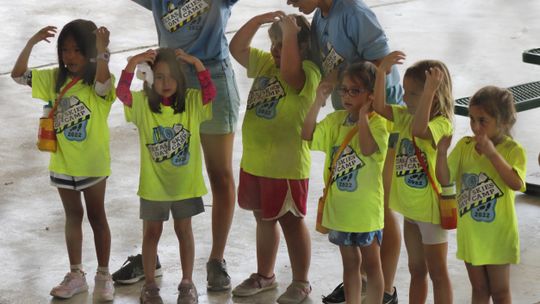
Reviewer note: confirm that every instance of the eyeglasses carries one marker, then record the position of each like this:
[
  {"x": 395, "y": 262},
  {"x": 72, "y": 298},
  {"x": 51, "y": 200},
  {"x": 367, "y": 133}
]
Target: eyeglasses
[{"x": 342, "y": 91}]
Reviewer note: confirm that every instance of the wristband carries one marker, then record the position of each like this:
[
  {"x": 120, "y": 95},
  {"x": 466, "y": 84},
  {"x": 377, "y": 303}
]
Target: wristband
[{"x": 105, "y": 56}]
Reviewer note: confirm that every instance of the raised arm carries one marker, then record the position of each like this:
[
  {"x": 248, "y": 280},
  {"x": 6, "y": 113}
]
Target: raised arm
[
  {"x": 323, "y": 91},
  {"x": 291, "y": 61},
  {"x": 208, "y": 88},
  {"x": 21, "y": 65},
  {"x": 441, "y": 166},
  {"x": 368, "y": 145},
  {"x": 385, "y": 66},
  {"x": 122, "y": 91},
  {"x": 241, "y": 41},
  {"x": 103, "y": 76},
  {"x": 485, "y": 146},
  {"x": 422, "y": 115}
]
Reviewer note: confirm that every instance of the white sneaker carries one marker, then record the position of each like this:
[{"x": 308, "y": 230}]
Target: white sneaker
[
  {"x": 73, "y": 283},
  {"x": 104, "y": 287}
]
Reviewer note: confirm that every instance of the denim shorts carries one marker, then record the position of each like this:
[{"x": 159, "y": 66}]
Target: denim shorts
[
  {"x": 360, "y": 239},
  {"x": 159, "y": 211},
  {"x": 226, "y": 105}
]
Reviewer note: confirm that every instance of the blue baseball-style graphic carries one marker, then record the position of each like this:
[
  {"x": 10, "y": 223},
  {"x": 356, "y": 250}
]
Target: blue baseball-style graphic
[
  {"x": 170, "y": 143},
  {"x": 346, "y": 171},
  {"x": 408, "y": 167},
  {"x": 77, "y": 132},
  {"x": 478, "y": 196}
]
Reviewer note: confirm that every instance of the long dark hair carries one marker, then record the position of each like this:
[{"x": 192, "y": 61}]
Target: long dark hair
[
  {"x": 175, "y": 66},
  {"x": 83, "y": 32}
]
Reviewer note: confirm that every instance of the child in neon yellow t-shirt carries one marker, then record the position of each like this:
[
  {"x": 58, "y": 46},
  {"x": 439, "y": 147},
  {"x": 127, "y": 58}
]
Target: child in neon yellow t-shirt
[
  {"x": 354, "y": 208},
  {"x": 81, "y": 162},
  {"x": 168, "y": 116},
  {"x": 487, "y": 168},
  {"x": 275, "y": 161},
  {"x": 425, "y": 120}
]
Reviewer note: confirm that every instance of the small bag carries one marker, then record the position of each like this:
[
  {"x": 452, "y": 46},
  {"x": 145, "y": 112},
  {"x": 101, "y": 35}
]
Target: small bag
[
  {"x": 320, "y": 207},
  {"x": 447, "y": 199},
  {"x": 46, "y": 134}
]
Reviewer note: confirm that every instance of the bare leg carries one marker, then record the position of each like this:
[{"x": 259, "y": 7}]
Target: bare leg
[
  {"x": 218, "y": 158},
  {"x": 267, "y": 245},
  {"x": 417, "y": 264},
  {"x": 152, "y": 234},
  {"x": 184, "y": 233},
  {"x": 371, "y": 256},
  {"x": 438, "y": 272},
  {"x": 499, "y": 283},
  {"x": 95, "y": 210},
  {"x": 352, "y": 278},
  {"x": 74, "y": 211},
  {"x": 298, "y": 245},
  {"x": 478, "y": 277}
]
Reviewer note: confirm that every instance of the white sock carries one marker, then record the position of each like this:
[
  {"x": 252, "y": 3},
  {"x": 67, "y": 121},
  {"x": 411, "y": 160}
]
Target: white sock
[{"x": 103, "y": 270}]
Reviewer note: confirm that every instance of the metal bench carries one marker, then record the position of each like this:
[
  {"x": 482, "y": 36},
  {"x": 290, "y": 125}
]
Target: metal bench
[{"x": 526, "y": 96}]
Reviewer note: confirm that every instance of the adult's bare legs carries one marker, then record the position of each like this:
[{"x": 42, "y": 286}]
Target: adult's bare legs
[{"x": 217, "y": 150}]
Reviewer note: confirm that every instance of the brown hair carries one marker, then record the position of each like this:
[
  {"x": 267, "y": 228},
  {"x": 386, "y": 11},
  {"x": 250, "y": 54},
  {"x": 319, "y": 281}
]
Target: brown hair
[
  {"x": 304, "y": 41},
  {"x": 497, "y": 103},
  {"x": 361, "y": 71},
  {"x": 154, "y": 99},
  {"x": 443, "y": 103}
]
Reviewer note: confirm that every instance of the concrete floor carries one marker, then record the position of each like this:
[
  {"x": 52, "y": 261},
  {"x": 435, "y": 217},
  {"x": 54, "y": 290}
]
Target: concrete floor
[{"x": 480, "y": 41}]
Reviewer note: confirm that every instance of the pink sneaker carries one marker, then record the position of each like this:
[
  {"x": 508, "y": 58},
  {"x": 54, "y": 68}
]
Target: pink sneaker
[
  {"x": 104, "y": 287},
  {"x": 73, "y": 283}
]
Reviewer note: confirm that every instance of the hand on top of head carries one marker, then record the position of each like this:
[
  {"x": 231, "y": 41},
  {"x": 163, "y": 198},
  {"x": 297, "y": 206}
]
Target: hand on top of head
[
  {"x": 146, "y": 56},
  {"x": 288, "y": 25},
  {"x": 324, "y": 90},
  {"x": 434, "y": 78},
  {"x": 395, "y": 57},
  {"x": 102, "y": 39},
  {"x": 269, "y": 17},
  {"x": 187, "y": 58},
  {"x": 43, "y": 34}
]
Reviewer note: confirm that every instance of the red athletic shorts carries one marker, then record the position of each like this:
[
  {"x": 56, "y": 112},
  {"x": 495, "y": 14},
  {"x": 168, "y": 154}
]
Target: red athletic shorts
[{"x": 273, "y": 197}]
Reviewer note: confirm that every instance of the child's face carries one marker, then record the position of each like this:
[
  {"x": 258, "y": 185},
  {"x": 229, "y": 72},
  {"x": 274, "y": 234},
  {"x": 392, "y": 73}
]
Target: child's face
[
  {"x": 413, "y": 91},
  {"x": 304, "y": 6},
  {"x": 164, "y": 83},
  {"x": 353, "y": 94},
  {"x": 72, "y": 57},
  {"x": 275, "y": 50},
  {"x": 483, "y": 123}
]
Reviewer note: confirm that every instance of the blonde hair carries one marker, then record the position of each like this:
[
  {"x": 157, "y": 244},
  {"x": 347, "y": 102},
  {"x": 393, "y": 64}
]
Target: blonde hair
[
  {"x": 497, "y": 103},
  {"x": 443, "y": 102},
  {"x": 304, "y": 40}
]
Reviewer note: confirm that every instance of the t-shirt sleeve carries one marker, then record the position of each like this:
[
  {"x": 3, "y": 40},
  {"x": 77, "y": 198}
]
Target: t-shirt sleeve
[
  {"x": 258, "y": 62},
  {"x": 454, "y": 159},
  {"x": 439, "y": 127},
  {"x": 518, "y": 160},
  {"x": 111, "y": 96},
  {"x": 133, "y": 113},
  {"x": 43, "y": 82},
  {"x": 371, "y": 42},
  {"x": 313, "y": 77},
  {"x": 321, "y": 135},
  {"x": 379, "y": 131},
  {"x": 195, "y": 106}
]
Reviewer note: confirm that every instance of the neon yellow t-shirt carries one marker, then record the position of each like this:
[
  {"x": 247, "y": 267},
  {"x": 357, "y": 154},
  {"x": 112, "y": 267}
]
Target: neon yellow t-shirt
[
  {"x": 411, "y": 193},
  {"x": 171, "y": 160},
  {"x": 80, "y": 123},
  {"x": 355, "y": 199},
  {"x": 271, "y": 131},
  {"x": 487, "y": 231}
]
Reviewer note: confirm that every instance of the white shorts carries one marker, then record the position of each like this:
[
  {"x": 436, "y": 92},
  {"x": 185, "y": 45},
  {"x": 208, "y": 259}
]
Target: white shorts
[{"x": 432, "y": 234}]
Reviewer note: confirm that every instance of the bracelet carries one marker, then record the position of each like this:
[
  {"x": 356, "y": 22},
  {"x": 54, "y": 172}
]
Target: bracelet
[{"x": 105, "y": 56}]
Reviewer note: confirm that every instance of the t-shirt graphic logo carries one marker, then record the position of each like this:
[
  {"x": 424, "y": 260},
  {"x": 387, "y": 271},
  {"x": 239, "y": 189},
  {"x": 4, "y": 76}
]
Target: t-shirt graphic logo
[
  {"x": 478, "y": 195},
  {"x": 408, "y": 166},
  {"x": 71, "y": 117},
  {"x": 170, "y": 143},
  {"x": 331, "y": 60},
  {"x": 183, "y": 14},
  {"x": 264, "y": 96},
  {"x": 346, "y": 169}
]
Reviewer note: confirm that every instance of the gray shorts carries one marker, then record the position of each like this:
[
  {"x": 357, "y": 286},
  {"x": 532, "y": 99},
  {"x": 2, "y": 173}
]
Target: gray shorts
[
  {"x": 227, "y": 103},
  {"x": 159, "y": 210}
]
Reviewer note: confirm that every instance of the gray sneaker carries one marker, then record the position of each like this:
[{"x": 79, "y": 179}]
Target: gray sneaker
[
  {"x": 217, "y": 278},
  {"x": 187, "y": 294}
]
